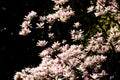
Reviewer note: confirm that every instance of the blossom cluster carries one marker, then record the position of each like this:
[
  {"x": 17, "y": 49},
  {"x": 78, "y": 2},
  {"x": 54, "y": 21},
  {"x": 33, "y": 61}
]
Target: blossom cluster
[
  {"x": 103, "y": 7},
  {"x": 97, "y": 44},
  {"x": 64, "y": 66},
  {"x": 78, "y": 60},
  {"x": 26, "y": 23},
  {"x": 72, "y": 59}
]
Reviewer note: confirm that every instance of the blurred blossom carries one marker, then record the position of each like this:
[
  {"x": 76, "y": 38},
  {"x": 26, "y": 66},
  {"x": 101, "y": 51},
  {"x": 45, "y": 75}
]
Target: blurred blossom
[
  {"x": 103, "y": 73},
  {"x": 64, "y": 41},
  {"x": 51, "y": 35},
  {"x": 56, "y": 7},
  {"x": 49, "y": 27},
  {"x": 117, "y": 48},
  {"x": 94, "y": 76},
  {"x": 90, "y": 9},
  {"x": 42, "y": 18},
  {"x": 102, "y": 1},
  {"x": 17, "y": 76},
  {"x": 77, "y": 24}
]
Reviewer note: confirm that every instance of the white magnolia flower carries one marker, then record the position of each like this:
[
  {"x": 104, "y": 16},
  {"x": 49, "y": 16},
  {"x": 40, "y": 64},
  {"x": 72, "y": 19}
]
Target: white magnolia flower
[{"x": 41, "y": 43}]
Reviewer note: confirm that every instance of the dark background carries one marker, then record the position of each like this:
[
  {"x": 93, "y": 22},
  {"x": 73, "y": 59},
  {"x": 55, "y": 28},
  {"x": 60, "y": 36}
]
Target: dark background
[{"x": 17, "y": 52}]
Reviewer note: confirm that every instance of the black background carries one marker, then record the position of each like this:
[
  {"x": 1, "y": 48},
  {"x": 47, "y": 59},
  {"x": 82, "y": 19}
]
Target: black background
[{"x": 17, "y": 52}]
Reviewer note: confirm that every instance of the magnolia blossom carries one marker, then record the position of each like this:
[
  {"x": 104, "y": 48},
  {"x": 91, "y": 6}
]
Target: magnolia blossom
[
  {"x": 117, "y": 17},
  {"x": 40, "y": 25},
  {"x": 61, "y": 14},
  {"x": 26, "y": 24},
  {"x": 65, "y": 14},
  {"x": 64, "y": 48},
  {"x": 90, "y": 9},
  {"x": 77, "y": 24},
  {"x": 114, "y": 34},
  {"x": 51, "y": 18},
  {"x": 60, "y": 1},
  {"x": 24, "y": 31},
  {"x": 117, "y": 48},
  {"x": 46, "y": 52},
  {"x": 56, "y": 7},
  {"x": 42, "y": 18},
  {"x": 49, "y": 27},
  {"x": 102, "y": 1},
  {"x": 101, "y": 9},
  {"x": 63, "y": 60},
  {"x": 41, "y": 43},
  {"x": 63, "y": 17},
  {"x": 76, "y": 35},
  {"x": 98, "y": 45},
  {"x": 62, "y": 65},
  {"x": 18, "y": 76},
  {"x": 64, "y": 41},
  {"x": 56, "y": 45},
  {"x": 31, "y": 15},
  {"x": 91, "y": 60},
  {"x": 103, "y": 73},
  {"x": 99, "y": 13},
  {"x": 104, "y": 49},
  {"x": 94, "y": 76},
  {"x": 51, "y": 35},
  {"x": 82, "y": 67},
  {"x": 99, "y": 40}
]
